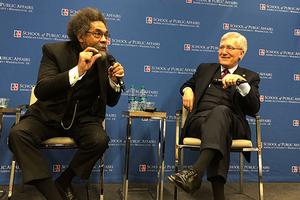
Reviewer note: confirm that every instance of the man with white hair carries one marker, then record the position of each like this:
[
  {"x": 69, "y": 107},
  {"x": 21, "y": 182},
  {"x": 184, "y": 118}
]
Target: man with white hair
[{"x": 218, "y": 97}]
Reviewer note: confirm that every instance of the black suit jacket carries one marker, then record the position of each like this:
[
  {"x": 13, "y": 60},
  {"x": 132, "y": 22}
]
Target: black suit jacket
[
  {"x": 53, "y": 88},
  {"x": 242, "y": 106}
]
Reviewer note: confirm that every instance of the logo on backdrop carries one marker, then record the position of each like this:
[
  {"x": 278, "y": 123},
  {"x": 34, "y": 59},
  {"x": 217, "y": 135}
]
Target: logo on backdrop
[
  {"x": 112, "y": 16},
  {"x": 134, "y": 43},
  {"x": 295, "y": 169},
  {"x": 187, "y": 47},
  {"x": 56, "y": 168},
  {"x": 153, "y": 168},
  {"x": 21, "y": 34},
  {"x": 168, "y": 69},
  {"x": 296, "y": 32},
  {"x": 116, "y": 142},
  {"x": 17, "y": 33},
  {"x": 142, "y": 168},
  {"x": 107, "y": 168},
  {"x": 281, "y": 145},
  {"x": 265, "y": 75},
  {"x": 296, "y": 77},
  {"x": 13, "y": 7},
  {"x": 110, "y": 116},
  {"x": 172, "y": 22},
  {"x": 247, "y": 28},
  {"x": 296, "y": 122},
  {"x": 279, "y": 8},
  {"x": 249, "y": 168},
  {"x": 108, "y": 16},
  {"x": 14, "y": 60},
  {"x": 278, "y": 53},
  {"x": 68, "y": 12},
  {"x": 221, "y": 3},
  {"x": 149, "y": 20},
  {"x": 7, "y": 168},
  {"x": 263, "y": 122},
  {"x": 279, "y": 99},
  {"x": 22, "y": 87},
  {"x": 171, "y": 118},
  {"x": 200, "y": 48}
]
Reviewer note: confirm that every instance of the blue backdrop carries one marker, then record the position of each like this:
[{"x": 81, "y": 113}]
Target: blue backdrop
[{"x": 160, "y": 43}]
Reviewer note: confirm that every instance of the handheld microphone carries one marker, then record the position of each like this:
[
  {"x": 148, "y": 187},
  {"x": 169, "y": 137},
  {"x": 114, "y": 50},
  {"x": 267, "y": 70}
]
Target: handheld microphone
[
  {"x": 218, "y": 81},
  {"x": 112, "y": 61}
]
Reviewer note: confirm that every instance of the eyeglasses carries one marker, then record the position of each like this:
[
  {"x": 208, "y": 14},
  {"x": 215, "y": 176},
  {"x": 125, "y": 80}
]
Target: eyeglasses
[
  {"x": 229, "y": 48},
  {"x": 99, "y": 34}
]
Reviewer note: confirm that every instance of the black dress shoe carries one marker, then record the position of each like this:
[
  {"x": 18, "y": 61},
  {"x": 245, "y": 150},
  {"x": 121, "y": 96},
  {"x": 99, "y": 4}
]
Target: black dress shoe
[
  {"x": 188, "y": 180},
  {"x": 67, "y": 193}
]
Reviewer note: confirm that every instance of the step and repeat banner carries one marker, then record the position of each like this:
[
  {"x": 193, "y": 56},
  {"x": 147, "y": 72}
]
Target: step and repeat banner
[{"x": 160, "y": 43}]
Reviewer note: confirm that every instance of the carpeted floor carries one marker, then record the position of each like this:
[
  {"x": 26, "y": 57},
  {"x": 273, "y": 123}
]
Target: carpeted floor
[{"x": 272, "y": 191}]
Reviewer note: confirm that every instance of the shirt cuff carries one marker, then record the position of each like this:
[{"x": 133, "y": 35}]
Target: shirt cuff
[
  {"x": 243, "y": 88},
  {"x": 114, "y": 85},
  {"x": 74, "y": 76}
]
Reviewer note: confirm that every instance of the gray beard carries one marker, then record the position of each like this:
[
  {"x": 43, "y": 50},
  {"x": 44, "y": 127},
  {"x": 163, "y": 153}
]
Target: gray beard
[{"x": 103, "y": 53}]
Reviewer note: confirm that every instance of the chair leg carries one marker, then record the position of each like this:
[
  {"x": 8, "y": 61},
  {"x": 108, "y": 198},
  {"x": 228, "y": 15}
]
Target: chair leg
[
  {"x": 260, "y": 182},
  {"x": 241, "y": 172},
  {"x": 177, "y": 160},
  {"x": 11, "y": 179},
  {"x": 101, "y": 179}
]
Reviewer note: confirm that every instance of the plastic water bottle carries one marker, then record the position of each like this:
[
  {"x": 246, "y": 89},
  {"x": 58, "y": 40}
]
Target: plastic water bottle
[
  {"x": 143, "y": 98},
  {"x": 131, "y": 98}
]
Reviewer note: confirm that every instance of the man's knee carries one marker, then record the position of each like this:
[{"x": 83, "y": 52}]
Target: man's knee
[
  {"x": 97, "y": 143},
  {"x": 15, "y": 135},
  {"x": 222, "y": 109}
]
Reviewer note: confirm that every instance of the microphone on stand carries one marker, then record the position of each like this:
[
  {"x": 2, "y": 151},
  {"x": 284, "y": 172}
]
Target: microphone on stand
[{"x": 112, "y": 61}]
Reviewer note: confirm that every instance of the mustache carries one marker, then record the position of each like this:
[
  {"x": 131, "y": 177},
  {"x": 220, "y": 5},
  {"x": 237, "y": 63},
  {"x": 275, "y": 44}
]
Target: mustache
[{"x": 100, "y": 47}]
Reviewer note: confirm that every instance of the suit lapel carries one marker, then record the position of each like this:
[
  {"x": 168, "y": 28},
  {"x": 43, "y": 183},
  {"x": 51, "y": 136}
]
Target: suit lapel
[{"x": 103, "y": 76}]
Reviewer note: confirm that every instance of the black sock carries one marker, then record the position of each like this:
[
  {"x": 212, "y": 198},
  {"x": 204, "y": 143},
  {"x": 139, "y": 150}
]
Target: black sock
[
  {"x": 218, "y": 188},
  {"x": 205, "y": 158},
  {"x": 66, "y": 177},
  {"x": 47, "y": 188}
]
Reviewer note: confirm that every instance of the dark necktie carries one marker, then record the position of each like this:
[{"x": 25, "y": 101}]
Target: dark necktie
[{"x": 224, "y": 72}]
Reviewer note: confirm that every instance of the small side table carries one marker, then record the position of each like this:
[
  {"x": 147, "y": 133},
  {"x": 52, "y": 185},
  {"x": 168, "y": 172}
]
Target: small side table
[
  {"x": 161, "y": 116},
  {"x": 17, "y": 113}
]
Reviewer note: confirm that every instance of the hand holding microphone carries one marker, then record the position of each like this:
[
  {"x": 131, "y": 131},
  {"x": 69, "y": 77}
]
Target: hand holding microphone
[
  {"x": 116, "y": 71},
  {"x": 229, "y": 80}
]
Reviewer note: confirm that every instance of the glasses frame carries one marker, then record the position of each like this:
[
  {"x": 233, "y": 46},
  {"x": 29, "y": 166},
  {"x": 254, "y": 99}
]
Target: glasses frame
[
  {"x": 229, "y": 48},
  {"x": 99, "y": 34}
]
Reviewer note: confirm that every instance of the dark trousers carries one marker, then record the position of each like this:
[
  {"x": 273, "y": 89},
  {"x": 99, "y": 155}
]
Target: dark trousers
[
  {"x": 215, "y": 128},
  {"x": 26, "y": 136}
]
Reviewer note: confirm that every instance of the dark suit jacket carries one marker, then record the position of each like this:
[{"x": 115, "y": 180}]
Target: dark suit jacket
[
  {"x": 53, "y": 88},
  {"x": 248, "y": 105}
]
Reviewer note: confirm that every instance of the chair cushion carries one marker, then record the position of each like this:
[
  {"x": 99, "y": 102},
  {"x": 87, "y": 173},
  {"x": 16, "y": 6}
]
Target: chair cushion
[
  {"x": 191, "y": 141},
  {"x": 59, "y": 141},
  {"x": 236, "y": 144}
]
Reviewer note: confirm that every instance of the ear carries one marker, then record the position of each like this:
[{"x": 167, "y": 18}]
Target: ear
[
  {"x": 241, "y": 55},
  {"x": 80, "y": 38}
]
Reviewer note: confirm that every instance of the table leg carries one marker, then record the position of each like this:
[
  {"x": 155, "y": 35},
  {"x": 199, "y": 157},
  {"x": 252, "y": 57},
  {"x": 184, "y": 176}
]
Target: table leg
[
  {"x": 161, "y": 159},
  {"x": 127, "y": 154}
]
